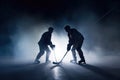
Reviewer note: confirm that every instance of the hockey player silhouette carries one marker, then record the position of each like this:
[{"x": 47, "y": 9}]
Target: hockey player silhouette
[
  {"x": 75, "y": 40},
  {"x": 44, "y": 42}
]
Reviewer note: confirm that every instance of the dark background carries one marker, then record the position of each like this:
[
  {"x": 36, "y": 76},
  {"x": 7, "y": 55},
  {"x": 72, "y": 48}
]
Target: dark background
[{"x": 98, "y": 20}]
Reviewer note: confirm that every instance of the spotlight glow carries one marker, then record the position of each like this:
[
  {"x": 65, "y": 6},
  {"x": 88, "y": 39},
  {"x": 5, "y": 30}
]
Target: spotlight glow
[
  {"x": 61, "y": 44},
  {"x": 27, "y": 48}
]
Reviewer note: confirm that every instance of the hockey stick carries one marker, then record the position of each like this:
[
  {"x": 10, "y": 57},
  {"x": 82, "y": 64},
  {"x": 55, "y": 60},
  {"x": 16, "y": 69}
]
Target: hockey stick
[{"x": 61, "y": 59}]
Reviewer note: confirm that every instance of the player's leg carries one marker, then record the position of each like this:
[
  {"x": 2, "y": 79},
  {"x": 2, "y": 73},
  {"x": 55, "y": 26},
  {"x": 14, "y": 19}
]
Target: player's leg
[{"x": 47, "y": 54}]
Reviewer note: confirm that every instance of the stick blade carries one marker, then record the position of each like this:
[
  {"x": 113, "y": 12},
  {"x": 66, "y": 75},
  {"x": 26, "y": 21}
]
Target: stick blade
[{"x": 55, "y": 62}]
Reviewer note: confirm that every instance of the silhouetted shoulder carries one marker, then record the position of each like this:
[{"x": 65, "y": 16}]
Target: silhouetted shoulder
[
  {"x": 75, "y": 32},
  {"x": 46, "y": 34},
  {"x": 73, "y": 29}
]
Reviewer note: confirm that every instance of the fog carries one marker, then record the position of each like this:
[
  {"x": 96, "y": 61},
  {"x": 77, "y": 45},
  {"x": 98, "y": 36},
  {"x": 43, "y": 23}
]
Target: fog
[
  {"x": 22, "y": 25},
  {"x": 95, "y": 46}
]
